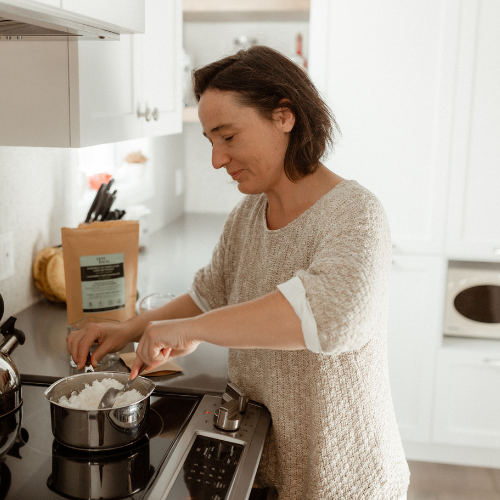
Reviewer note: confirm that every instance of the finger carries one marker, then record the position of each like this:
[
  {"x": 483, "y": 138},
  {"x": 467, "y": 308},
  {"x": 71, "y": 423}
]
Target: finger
[
  {"x": 83, "y": 346},
  {"x": 73, "y": 345},
  {"x": 165, "y": 354},
  {"x": 137, "y": 367},
  {"x": 72, "y": 341},
  {"x": 101, "y": 351}
]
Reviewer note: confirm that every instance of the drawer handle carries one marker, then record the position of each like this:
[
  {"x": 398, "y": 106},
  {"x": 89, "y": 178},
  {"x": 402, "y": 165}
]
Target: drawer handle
[{"x": 492, "y": 362}]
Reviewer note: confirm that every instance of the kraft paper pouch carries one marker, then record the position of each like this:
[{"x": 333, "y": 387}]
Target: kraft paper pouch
[{"x": 100, "y": 268}]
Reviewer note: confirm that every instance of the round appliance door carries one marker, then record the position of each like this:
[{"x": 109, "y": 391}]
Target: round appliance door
[{"x": 479, "y": 303}]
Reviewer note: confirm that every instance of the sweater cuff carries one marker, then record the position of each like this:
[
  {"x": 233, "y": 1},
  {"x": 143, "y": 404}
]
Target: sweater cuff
[
  {"x": 294, "y": 291},
  {"x": 199, "y": 300}
]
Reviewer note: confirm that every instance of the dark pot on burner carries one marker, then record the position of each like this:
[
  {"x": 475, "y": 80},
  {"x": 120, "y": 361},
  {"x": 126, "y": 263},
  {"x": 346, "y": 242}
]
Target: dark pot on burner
[
  {"x": 106, "y": 476},
  {"x": 10, "y": 426}
]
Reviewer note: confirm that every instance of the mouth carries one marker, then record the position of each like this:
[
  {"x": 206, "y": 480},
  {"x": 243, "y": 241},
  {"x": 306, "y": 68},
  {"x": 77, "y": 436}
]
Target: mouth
[{"x": 234, "y": 175}]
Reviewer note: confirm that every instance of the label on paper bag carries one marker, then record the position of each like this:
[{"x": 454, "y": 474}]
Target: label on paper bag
[{"x": 103, "y": 282}]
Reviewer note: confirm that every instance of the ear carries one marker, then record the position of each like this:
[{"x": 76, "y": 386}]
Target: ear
[{"x": 284, "y": 116}]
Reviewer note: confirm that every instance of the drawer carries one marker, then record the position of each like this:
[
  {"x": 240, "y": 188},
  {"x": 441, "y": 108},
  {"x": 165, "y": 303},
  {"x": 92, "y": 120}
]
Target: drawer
[{"x": 467, "y": 398}]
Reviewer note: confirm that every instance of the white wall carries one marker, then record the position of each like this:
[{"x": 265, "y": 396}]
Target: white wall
[
  {"x": 39, "y": 195},
  {"x": 34, "y": 205},
  {"x": 167, "y": 155},
  {"x": 207, "y": 190}
]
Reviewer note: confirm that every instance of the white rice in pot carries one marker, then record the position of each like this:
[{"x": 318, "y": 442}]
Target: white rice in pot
[{"x": 90, "y": 397}]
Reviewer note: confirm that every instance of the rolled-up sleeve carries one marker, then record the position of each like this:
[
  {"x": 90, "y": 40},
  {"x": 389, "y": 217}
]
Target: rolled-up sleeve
[{"x": 294, "y": 291}]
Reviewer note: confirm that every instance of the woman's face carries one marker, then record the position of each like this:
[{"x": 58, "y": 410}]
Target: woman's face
[{"x": 250, "y": 148}]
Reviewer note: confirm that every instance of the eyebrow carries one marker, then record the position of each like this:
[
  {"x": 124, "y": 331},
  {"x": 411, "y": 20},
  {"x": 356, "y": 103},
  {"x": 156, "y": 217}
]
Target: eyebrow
[{"x": 220, "y": 127}]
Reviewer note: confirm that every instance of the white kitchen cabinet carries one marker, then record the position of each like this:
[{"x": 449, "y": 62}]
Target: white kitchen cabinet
[
  {"x": 70, "y": 93},
  {"x": 474, "y": 208},
  {"x": 387, "y": 69},
  {"x": 467, "y": 402},
  {"x": 140, "y": 75},
  {"x": 162, "y": 83},
  {"x": 414, "y": 335}
]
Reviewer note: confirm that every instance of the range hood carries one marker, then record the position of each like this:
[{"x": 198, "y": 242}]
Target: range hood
[
  {"x": 12, "y": 28},
  {"x": 26, "y": 19}
]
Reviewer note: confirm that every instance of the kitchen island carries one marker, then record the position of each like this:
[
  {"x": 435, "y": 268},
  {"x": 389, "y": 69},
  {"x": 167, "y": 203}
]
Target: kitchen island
[{"x": 172, "y": 256}]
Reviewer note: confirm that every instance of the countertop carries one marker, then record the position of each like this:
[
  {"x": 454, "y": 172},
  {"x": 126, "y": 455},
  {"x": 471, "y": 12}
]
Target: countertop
[{"x": 168, "y": 264}]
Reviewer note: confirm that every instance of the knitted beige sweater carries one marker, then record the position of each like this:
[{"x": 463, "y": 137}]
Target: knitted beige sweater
[{"x": 334, "y": 434}]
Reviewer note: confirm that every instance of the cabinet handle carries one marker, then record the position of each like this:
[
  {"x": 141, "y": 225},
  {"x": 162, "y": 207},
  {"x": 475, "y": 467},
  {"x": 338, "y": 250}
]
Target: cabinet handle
[
  {"x": 156, "y": 114},
  {"x": 146, "y": 114},
  {"x": 491, "y": 361}
]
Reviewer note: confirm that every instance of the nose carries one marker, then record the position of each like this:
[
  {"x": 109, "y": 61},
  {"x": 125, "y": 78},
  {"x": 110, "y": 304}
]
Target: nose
[{"x": 219, "y": 157}]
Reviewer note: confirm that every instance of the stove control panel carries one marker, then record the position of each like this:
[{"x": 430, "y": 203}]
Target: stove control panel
[
  {"x": 208, "y": 470},
  {"x": 208, "y": 463}
]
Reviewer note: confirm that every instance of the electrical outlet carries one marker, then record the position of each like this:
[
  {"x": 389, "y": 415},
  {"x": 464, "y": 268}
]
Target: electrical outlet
[{"x": 6, "y": 255}]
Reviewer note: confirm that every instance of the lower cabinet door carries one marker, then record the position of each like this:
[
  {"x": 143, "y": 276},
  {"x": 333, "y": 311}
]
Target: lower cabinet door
[
  {"x": 414, "y": 336},
  {"x": 467, "y": 403}
]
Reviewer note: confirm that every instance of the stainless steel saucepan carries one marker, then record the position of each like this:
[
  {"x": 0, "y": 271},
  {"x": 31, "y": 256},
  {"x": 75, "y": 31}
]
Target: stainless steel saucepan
[{"x": 102, "y": 429}]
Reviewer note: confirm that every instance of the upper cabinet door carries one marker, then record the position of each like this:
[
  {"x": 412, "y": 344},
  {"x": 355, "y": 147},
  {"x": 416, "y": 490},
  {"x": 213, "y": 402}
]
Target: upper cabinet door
[
  {"x": 106, "y": 83},
  {"x": 161, "y": 67},
  {"x": 132, "y": 88},
  {"x": 387, "y": 70},
  {"x": 474, "y": 210}
]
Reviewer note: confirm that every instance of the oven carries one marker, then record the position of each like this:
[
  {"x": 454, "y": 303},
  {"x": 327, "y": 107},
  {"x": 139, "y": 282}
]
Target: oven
[
  {"x": 472, "y": 306},
  {"x": 197, "y": 447}
]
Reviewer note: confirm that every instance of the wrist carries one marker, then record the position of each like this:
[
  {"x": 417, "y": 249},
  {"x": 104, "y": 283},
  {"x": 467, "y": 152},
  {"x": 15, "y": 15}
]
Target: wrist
[
  {"x": 132, "y": 330},
  {"x": 197, "y": 331}
]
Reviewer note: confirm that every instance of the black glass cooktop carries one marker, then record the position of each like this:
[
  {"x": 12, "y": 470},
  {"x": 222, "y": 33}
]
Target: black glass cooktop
[{"x": 38, "y": 467}]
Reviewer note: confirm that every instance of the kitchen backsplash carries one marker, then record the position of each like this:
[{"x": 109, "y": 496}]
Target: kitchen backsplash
[
  {"x": 39, "y": 195},
  {"x": 34, "y": 205}
]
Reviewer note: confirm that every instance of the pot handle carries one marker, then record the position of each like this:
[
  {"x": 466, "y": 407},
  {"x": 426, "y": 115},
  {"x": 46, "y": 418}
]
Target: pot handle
[{"x": 9, "y": 331}]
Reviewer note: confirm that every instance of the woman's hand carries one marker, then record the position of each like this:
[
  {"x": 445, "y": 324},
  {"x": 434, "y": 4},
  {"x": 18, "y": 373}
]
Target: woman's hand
[
  {"x": 111, "y": 337},
  {"x": 163, "y": 340}
]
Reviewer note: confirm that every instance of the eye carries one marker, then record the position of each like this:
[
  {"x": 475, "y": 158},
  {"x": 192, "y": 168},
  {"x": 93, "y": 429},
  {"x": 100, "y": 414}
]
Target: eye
[{"x": 227, "y": 139}]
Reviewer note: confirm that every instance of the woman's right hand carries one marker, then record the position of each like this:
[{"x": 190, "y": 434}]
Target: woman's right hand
[{"x": 111, "y": 337}]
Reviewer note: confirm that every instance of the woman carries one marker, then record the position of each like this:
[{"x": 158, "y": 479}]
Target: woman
[{"x": 297, "y": 288}]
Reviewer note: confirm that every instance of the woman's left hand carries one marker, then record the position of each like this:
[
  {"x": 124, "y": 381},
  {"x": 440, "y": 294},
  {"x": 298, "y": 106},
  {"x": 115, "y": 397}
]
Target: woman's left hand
[{"x": 161, "y": 341}]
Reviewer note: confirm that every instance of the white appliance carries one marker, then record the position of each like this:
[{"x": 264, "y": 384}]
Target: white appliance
[{"x": 473, "y": 300}]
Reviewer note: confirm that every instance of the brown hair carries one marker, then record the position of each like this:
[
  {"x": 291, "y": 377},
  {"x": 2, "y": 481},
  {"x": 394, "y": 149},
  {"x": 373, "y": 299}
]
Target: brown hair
[{"x": 263, "y": 77}]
